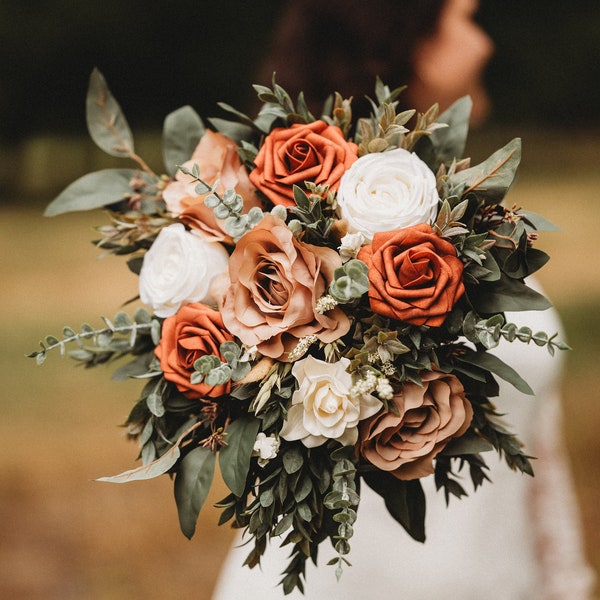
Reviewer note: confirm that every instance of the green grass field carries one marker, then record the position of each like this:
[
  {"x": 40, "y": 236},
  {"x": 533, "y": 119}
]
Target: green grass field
[{"x": 65, "y": 536}]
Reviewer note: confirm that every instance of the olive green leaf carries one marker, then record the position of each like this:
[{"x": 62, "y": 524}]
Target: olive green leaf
[
  {"x": 91, "y": 191},
  {"x": 234, "y": 458},
  {"x": 182, "y": 130},
  {"x": 492, "y": 178},
  {"x": 105, "y": 119},
  {"x": 192, "y": 484}
]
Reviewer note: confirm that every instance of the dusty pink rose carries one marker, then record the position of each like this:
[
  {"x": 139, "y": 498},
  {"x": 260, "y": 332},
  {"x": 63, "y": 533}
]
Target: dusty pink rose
[
  {"x": 274, "y": 281},
  {"x": 405, "y": 440},
  {"x": 216, "y": 156}
]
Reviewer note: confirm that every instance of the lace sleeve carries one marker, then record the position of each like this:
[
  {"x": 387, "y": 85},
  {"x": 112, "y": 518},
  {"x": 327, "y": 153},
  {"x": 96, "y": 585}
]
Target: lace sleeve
[{"x": 565, "y": 574}]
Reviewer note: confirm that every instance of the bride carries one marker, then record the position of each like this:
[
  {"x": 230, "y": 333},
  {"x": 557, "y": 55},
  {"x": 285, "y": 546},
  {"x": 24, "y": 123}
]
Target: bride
[{"x": 517, "y": 537}]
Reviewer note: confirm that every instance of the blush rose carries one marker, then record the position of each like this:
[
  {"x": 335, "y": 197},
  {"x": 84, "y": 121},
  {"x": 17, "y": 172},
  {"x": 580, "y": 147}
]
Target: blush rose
[
  {"x": 423, "y": 419},
  {"x": 268, "y": 298},
  {"x": 195, "y": 331},
  {"x": 415, "y": 275},
  {"x": 217, "y": 158},
  {"x": 315, "y": 152}
]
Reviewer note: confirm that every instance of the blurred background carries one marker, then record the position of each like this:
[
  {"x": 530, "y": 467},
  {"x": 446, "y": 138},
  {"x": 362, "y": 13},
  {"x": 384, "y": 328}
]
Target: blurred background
[{"x": 65, "y": 536}]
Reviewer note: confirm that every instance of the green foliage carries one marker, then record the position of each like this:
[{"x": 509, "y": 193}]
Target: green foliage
[
  {"x": 211, "y": 370},
  {"x": 404, "y": 500},
  {"x": 95, "y": 346},
  {"x": 234, "y": 456},
  {"x": 106, "y": 122},
  {"x": 193, "y": 479},
  {"x": 446, "y": 144},
  {"x": 491, "y": 179},
  {"x": 343, "y": 500},
  {"x": 489, "y": 332},
  {"x": 182, "y": 131},
  {"x": 93, "y": 190},
  {"x": 227, "y": 207},
  {"x": 350, "y": 281}
]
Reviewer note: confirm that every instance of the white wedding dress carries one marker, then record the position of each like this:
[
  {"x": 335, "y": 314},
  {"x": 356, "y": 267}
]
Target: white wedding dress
[{"x": 516, "y": 538}]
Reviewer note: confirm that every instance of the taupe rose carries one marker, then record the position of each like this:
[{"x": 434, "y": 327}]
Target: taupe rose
[
  {"x": 274, "y": 281},
  {"x": 423, "y": 419}
]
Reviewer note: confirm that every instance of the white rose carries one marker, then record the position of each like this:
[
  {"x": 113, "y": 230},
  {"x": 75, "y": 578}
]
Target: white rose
[
  {"x": 323, "y": 407},
  {"x": 350, "y": 244},
  {"x": 178, "y": 269},
  {"x": 266, "y": 448},
  {"x": 385, "y": 191}
]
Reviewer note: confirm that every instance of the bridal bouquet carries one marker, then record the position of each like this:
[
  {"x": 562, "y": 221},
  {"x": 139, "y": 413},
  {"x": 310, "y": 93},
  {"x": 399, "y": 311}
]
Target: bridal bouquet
[{"x": 321, "y": 298}]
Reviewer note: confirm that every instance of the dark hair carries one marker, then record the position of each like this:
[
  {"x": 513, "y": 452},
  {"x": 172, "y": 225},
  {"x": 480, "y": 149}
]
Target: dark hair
[{"x": 322, "y": 46}]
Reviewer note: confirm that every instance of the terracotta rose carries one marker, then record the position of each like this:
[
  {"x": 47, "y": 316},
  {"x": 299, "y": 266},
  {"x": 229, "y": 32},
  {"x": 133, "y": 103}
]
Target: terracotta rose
[
  {"x": 423, "y": 419},
  {"x": 268, "y": 299},
  {"x": 196, "y": 330},
  {"x": 289, "y": 156},
  {"x": 217, "y": 158},
  {"x": 415, "y": 275}
]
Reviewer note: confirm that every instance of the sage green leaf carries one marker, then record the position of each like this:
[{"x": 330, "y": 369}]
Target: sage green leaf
[
  {"x": 234, "y": 458},
  {"x": 105, "y": 119},
  {"x": 506, "y": 295},
  {"x": 192, "y": 484},
  {"x": 447, "y": 143},
  {"x": 154, "y": 469},
  {"x": 93, "y": 190},
  {"x": 467, "y": 444},
  {"x": 492, "y": 178},
  {"x": 182, "y": 131},
  {"x": 536, "y": 221},
  {"x": 235, "y": 131},
  {"x": 493, "y": 364}
]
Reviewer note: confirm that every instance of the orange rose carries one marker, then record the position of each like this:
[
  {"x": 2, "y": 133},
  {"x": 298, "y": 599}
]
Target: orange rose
[
  {"x": 415, "y": 275},
  {"x": 196, "y": 330},
  {"x": 406, "y": 439},
  {"x": 274, "y": 282},
  {"x": 217, "y": 158},
  {"x": 289, "y": 156}
]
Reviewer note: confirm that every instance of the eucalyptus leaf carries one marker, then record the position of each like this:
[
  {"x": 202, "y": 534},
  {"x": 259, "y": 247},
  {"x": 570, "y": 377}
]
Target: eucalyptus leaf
[
  {"x": 192, "y": 484},
  {"x": 234, "y": 458},
  {"x": 154, "y": 469},
  {"x": 94, "y": 190},
  {"x": 182, "y": 131},
  {"x": 106, "y": 122},
  {"x": 492, "y": 178}
]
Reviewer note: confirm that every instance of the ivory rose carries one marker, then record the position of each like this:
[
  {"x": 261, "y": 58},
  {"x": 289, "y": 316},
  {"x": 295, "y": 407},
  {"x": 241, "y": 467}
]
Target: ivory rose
[
  {"x": 178, "y": 268},
  {"x": 387, "y": 190},
  {"x": 195, "y": 331},
  {"x": 415, "y": 275},
  {"x": 217, "y": 158},
  {"x": 315, "y": 152},
  {"x": 322, "y": 407},
  {"x": 268, "y": 299},
  {"x": 405, "y": 439}
]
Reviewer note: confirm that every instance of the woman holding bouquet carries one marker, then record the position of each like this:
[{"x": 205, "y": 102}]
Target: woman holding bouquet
[{"x": 517, "y": 537}]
